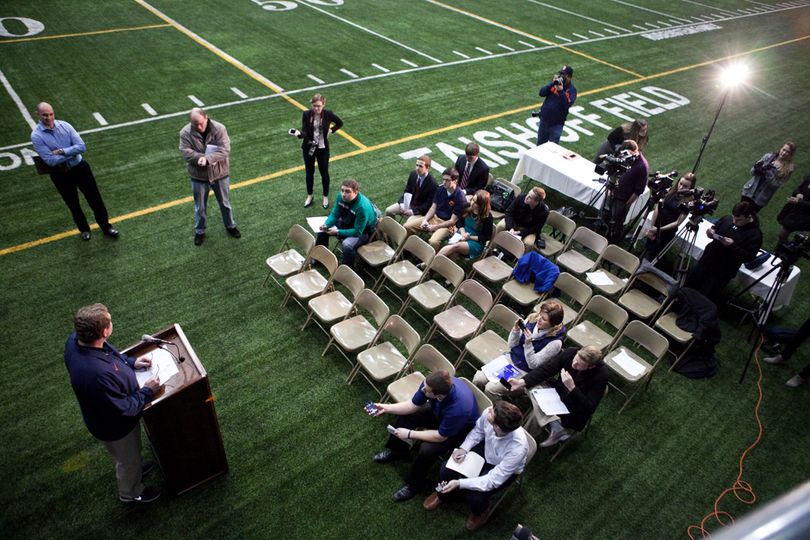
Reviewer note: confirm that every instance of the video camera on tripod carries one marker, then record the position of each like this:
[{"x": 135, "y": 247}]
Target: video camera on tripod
[
  {"x": 616, "y": 164},
  {"x": 790, "y": 253},
  {"x": 702, "y": 203},
  {"x": 660, "y": 184}
]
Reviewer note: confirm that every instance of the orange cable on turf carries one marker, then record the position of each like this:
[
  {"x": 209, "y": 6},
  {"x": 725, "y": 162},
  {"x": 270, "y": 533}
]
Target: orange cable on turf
[{"x": 739, "y": 484}]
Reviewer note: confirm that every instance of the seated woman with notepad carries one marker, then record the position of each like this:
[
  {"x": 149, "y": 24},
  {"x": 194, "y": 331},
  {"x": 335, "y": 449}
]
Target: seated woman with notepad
[
  {"x": 529, "y": 348},
  {"x": 475, "y": 232}
]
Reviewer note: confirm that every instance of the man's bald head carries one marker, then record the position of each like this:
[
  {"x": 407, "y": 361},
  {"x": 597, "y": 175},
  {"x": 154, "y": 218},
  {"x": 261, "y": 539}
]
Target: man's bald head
[
  {"x": 45, "y": 114},
  {"x": 199, "y": 119}
]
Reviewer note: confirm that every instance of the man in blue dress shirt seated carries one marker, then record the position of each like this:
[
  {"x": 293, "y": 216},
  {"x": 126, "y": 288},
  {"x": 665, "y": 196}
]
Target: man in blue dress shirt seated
[
  {"x": 505, "y": 449},
  {"x": 446, "y": 408},
  {"x": 61, "y": 148}
]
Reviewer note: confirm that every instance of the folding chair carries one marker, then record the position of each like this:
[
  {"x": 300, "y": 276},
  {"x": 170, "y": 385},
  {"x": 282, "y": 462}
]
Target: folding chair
[
  {"x": 644, "y": 337},
  {"x": 578, "y": 262},
  {"x": 480, "y": 397},
  {"x": 492, "y": 268},
  {"x": 583, "y": 434},
  {"x": 456, "y": 322},
  {"x": 406, "y": 385},
  {"x": 666, "y": 324},
  {"x": 378, "y": 253},
  {"x": 625, "y": 262},
  {"x": 574, "y": 296},
  {"x": 308, "y": 282},
  {"x": 638, "y": 302},
  {"x": 382, "y": 359},
  {"x": 561, "y": 230},
  {"x": 430, "y": 294},
  {"x": 289, "y": 260},
  {"x": 402, "y": 272},
  {"x": 519, "y": 480},
  {"x": 589, "y": 333},
  {"x": 516, "y": 188},
  {"x": 332, "y": 306},
  {"x": 356, "y": 332},
  {"x": 489, "y": 345},
  {"x": 525, "y": 293}
]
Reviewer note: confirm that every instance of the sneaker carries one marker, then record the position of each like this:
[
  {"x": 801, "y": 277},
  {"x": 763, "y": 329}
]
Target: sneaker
[
  {"x": 775, "y": 360},
  {"x": 555, "y": 437},
  {"x": 86, "y": 236},
  {"x": 234, "y": 232},
  {"x": 796, "y": 381},
  {"x": 198, "y": 238},
  {"x": 148, "y": 495}
]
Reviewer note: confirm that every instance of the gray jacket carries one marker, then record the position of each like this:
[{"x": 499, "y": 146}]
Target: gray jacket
[
  {"x": 193, "y": 145},
  {"x": 761, "y": 188}
]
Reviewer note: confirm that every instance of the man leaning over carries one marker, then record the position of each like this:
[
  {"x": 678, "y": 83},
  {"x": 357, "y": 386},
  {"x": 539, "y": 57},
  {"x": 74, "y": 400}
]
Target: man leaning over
[{"x": 448, "y": 205}]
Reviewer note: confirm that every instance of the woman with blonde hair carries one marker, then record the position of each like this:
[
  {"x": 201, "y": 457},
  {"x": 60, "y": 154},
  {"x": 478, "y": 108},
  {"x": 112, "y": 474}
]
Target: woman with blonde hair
[
  {"x": 634, "y": 131},
  {"x": 529, "y": 347},
  {"x": 769, "y": 174}
]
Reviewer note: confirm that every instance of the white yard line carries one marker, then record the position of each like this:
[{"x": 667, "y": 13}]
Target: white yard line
[
  {"x": 316, "y": 79},
  {"x": 349, "y": 73},
  {"x": 148, "y": 108},
  {"x": 196, "y": 101},
  {"x": 460, "y": 54},
  {"x": 100, "y": 119},
  {"x": 238, "y": 92},
  {"x": 483, "y": 50},
  {"x": 408, "y": 63},
  {"x": 26, "y": 115},
  {"x": 577, "y": 15},
  {"x": 381, "y": 68},
  {"x": 505, "y": 47}
]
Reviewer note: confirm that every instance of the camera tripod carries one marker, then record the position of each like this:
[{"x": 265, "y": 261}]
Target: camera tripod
[
  {"x": 692, "y": 228},
  {"x": 603, "y": 222},
  {"x": 648, "y": 206}
]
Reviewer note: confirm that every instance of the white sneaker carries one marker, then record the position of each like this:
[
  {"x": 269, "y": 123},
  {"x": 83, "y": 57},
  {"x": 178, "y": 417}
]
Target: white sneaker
[
  {"x": 796, "y": 381},
  {"x": 555, "y": 437},
  {"x": 775, "y": 360}
]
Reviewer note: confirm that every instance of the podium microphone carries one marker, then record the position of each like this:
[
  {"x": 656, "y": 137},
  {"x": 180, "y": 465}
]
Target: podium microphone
[{"x": 146, "y": 338}]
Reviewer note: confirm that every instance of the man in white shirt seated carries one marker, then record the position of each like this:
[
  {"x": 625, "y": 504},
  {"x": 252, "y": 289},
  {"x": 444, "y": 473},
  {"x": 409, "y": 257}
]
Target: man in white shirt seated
[{"x": 497, "y": 437}]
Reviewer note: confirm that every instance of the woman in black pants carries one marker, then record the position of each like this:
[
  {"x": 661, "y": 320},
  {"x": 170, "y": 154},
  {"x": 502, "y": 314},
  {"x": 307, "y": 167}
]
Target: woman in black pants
[{"x": 316, "y": 126}]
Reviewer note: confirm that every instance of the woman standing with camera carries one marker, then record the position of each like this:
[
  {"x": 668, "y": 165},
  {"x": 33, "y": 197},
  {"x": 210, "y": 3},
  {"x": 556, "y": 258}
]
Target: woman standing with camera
[
  {"x": 635, "y": 131},
  {"x": 316, "y": 126},
  {"x": 667, "y": 218},
  {"x": 769, "y": 173}
]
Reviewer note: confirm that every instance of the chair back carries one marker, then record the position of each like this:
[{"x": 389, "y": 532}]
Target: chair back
[
  {"x": 508, "y": 242},
  {"x": 560, "y": 223},
  {"x": 395, "y": 231},
  {"x": 349, "y": 279},
  {"x": 404, "y": 332},
  {"x": 372, "y": 303},
  {"x": 431, "y": 358},
  {"x": 449, "y": 270},
  {"x": 532, "y": 447},
  {"x": 325, "y": 257},
  {"x": 589, "y": 239},
  {"x": 574, "y": 289},
  {"x": 419, "y": 249},
  {"x": 646, "y": 337},
  {"x": 480, "y": 397},
  {"x": 490, "y": 178},
  {"x": 300, "y": 236},
  {"x": 475, "y": 292},
  {"x": 609, "y": 312},
  {"x": 506, "y": 182},
  {"x": 502, "y": 316},
  {"x": 621, "y": 258}
]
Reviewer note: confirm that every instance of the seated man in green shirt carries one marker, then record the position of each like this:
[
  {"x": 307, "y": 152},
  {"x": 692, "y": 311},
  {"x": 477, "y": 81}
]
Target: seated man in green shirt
[{"x": 352, "y": 221}]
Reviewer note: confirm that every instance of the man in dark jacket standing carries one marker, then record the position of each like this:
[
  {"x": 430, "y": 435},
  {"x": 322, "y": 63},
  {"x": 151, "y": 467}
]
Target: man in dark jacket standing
[
  {"x": 105, "y": 385},
  {"x": 736, "y": 240}
]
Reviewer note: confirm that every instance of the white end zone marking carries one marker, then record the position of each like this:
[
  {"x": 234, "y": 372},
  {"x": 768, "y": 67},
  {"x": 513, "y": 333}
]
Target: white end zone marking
[
  {"x": 677, "y": 32},
  {"x": 149, "y": 109},
  {"x": 18, "y": 101},
  {"x": 100, "y": 119}
]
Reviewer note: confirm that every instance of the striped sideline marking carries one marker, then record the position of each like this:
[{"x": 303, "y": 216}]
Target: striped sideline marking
[
  {"x": 17, "y": 101},
  {"x": 380, "y": 146},
  {"x": 86, "y": 33}
]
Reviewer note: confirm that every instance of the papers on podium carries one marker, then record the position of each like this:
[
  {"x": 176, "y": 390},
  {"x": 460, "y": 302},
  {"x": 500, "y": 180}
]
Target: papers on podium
[
  {"x": 549, "y": 401},
  {"x": 470, "y": 466},
  {"x": 315, "y": 223},
  {"x": 628, "y": 363},
  {"x": 500, "y": 367},
  {"x": 163, "y": 366}
]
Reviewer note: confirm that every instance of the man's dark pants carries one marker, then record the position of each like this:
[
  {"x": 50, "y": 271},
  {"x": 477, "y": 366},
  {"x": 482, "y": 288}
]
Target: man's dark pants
[{"x": 69, "y": 183}]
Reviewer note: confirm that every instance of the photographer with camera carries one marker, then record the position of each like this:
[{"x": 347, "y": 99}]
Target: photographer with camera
[
  {"x": 667, "y": 217},
  {"x": 560, "y": 94},
  {"x": 795, "y": 215},
  {"x": 632, "y": 131},
  {"x": 736, "y": 240},
  {"x": 630, "y": 186},
  {"x": 769, "y": 173}
]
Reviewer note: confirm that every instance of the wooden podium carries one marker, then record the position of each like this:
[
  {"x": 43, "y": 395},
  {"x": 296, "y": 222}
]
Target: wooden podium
[{"x": 181, "y": 422}]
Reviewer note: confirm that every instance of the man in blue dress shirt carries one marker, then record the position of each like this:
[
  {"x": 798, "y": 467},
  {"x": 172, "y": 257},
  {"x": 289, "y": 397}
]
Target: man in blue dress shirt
[{"x": 61, "y": 148}]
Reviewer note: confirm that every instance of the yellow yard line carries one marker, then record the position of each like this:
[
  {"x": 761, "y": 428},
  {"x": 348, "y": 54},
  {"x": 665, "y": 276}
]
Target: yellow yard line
[{"x": 85, "y": 33}]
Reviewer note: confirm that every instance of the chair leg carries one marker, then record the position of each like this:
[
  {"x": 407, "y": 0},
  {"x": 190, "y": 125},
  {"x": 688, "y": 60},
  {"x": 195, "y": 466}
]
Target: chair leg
[
  {"x": 307, "y": 321},
  {"x": 460, "y": 359},
  {"x": 678, "y": 359},
  {"x": 266, "y": 278},
  {"x": 353, "y": 373},
  {"x": 286, "y": 298},
  {"x": 560, "y": 449},
  {"x": 404, "y": 306},
  {"x": 327, "y": 346}
]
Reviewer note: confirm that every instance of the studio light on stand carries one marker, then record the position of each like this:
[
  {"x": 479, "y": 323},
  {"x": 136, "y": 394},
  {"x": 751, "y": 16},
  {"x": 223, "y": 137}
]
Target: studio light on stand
[{"x": 730, "y": 78}]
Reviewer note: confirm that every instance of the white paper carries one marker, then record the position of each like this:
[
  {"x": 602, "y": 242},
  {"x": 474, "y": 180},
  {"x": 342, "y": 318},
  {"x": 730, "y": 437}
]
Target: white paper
[
  {"x": 393, "y": 431},
  {"x": 454, "y": 239},
  {"x": 316, "y": 222},
  {"x": 470, "y": 466},
  {"x": 163, "y": 365},
  {"x": 549, "y": 401},
  {"x": 599, "y": 278},
  {"x": 406, "y": 201},
  {"x": 210, "y": 149},
  {"x": 500, "y": 367},
  {"x": 628, "y": 363}
]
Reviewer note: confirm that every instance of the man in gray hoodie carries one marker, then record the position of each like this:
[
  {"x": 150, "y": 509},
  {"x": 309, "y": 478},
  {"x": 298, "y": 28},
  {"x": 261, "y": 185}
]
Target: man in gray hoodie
[{"x": 205, "y": 146}]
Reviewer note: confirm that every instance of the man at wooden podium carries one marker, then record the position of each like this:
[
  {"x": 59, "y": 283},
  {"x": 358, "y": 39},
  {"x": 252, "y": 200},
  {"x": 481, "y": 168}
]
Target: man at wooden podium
[{"x": 105, "y": 385}]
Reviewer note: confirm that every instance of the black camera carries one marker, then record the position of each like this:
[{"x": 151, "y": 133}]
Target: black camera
[
  {"x": 791, "y": 252},
  {"x": 761, "y": 167},
  {"x": 313, "y": 144},
  {"x": 618, "y": 163},
  {"x": 558, "y": 81},
  {"x": 701, "y": 204},
  {"x": 535, "y": 114},
  {"x": 659, "y": 184}
]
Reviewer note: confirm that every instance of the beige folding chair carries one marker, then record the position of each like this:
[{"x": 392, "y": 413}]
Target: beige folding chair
[
  {"x": 498, "y": 215},
  {"x": 356, "y": 332},
  {"x": 480, "y": 397},
  {"x": 519, "y": 480},
  {"x": 582, "y": 434},
  {"x": 403, "y": 273},
  {"x": 574, "y": 296},
  {"x": 625, "y": 262},
  {"x": 382, "y": 359},
  {"x": 666, "y": 324},
  {"x": 489, "y": 345},
  {"x": 377, "y": 252},
  {"x": 289, "y": 260},
  {"x": 607, "y": 313},
  {"x": 430, "y": 294},
  {"x": 406, "y": 385},
  {"x": 579, "y": 262},
  {"x": 639, "y": 303},
  {"x": 522, "y": 293},
  {"x": 492, "y": 268},
  {"x": 641, "y": 372},
  {"x": 332, "y": 305},
  {"x": 456, "y": 322},
  {"x": 561, "y": 230},
  {"x": 309, "y": 282}
]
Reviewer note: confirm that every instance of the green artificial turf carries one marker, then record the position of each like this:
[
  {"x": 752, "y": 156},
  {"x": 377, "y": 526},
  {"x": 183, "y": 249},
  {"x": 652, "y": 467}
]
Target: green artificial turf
[{"x": 299, "y": 445}]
